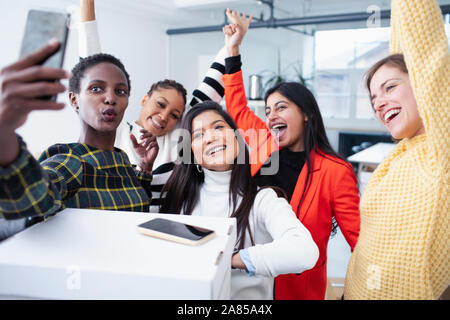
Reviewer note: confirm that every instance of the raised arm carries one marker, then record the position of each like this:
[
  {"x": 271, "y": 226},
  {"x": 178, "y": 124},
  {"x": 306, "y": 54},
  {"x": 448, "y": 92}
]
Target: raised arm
[
  {"x": 235, "y": 98},
  {"x": 88, "y": 39},
  {"x": 418, "y": 33},
  {"x": 253, "y": 129},
  {"x": 87, "y": 9},
  {"x": 212, "y": 87}
]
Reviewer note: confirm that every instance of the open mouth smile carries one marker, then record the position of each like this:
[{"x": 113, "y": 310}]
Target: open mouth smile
[
  {"x": 157, "y": 124},
  {"x": 391, "y": 114},
  {"x": 279, "y": 129},
  {"x": 212, "y": 151}
]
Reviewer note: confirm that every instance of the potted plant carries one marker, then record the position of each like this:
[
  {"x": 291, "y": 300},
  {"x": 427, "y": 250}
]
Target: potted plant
[{"x": 293, "y": 72}]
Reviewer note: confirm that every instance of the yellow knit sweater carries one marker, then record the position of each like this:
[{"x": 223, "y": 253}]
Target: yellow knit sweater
[{"x": 403, "y": 250}]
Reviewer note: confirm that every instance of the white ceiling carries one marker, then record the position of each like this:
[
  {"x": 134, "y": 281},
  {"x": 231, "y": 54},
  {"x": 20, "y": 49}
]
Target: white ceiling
[
  {"x": 286, "y": 7},
  {"x": 187, "y": 13}
]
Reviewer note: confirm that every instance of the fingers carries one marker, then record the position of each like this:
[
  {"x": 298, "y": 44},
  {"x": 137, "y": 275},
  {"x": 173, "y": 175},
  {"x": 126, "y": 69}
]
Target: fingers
[
  {"x": 35, "y": 58},
  {"x": 238, "y": 18},
  {"x": 37, "y": 73},
  {"x": 24, "y": 83},
  {"x": 134, "y": 140},
  {"x": 34, "y": 89},
  {"x": 250, "y": 19},
  {"x": 147, "y": 138},
  {"x": 151, "y": 145},
  {"x": 228, "y": 13},
  {"x": 38, "y": 104},
  {"x": 228, "y": 30},
  {"x": 17, "y": 108},
  {"x": 234, "y": 16}
]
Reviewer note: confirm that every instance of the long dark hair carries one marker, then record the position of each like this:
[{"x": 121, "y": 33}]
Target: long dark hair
[
  {"x": 181, "y": 192},
  {"x": 315, "y": 137}
]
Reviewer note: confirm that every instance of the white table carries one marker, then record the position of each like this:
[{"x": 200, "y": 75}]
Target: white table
[
  {"x": 96, "y": 254},
  {"x": 373, "y": 155}
]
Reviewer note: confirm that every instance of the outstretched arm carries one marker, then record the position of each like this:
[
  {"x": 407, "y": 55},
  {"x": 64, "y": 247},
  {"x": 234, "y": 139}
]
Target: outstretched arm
[
  {"x": 32, "y": 189},
  {"x": 292, "y": 249},
  {"x": 21, "y": 86},
  {"x": 235, "y": 32},
  {"x": 88, "y": 39},
  {"x": 418, "y": 32},
  {"x": 236, "y": 101},
  {"x": 212, "y": 86},
  {"x": 87, "y": 8},
  {"x": 253, "y": 129}
]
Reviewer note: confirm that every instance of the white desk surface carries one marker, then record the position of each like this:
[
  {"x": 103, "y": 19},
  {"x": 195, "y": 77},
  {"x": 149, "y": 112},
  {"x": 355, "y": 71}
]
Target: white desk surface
[
  {"x": 106, "y": 244},
  {"x": 374, "y": 154}
]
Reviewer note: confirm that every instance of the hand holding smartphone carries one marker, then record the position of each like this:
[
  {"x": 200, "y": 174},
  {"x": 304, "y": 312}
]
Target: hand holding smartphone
[
  {"x": 26, "y": 81},
  {"x": 175, "y": 231}
]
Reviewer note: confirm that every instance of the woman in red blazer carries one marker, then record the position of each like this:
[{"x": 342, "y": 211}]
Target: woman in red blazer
[{"x": 291, "y": 150}]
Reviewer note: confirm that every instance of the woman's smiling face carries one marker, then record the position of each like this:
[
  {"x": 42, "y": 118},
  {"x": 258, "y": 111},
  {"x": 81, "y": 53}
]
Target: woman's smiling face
[
  {"x": 213, "y": 142},
  {"x": 394, "y": 103},
  {"x": 161, "y": 111},
  {"x": 286, "y": 121}
]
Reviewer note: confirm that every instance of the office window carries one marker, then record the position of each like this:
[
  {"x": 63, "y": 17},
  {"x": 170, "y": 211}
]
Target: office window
[
  {"x": 342, "y": 57},
  {"x": 334, "y": 94},
  {"x": 447, "y": 27}
]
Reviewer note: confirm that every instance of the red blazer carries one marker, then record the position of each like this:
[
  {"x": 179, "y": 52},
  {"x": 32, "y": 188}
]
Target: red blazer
[{"x": 333, "y": 192}]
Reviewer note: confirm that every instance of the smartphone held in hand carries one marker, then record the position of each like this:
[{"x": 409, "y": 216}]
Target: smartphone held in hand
[
  {"x": 41, "y": 27},
  {"x": 175, "y": 231}
]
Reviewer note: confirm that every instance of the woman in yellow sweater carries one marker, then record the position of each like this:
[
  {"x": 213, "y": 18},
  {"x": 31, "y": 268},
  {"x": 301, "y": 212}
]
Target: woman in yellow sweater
[{"x": 403, "y": 251}]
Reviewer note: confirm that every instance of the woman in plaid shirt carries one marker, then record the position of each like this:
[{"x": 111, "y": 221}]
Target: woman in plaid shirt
[{"x": 90, "y": 173}]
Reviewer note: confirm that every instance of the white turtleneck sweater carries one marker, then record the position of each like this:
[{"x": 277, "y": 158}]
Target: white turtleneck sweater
[{"x": 282, "y": 244}]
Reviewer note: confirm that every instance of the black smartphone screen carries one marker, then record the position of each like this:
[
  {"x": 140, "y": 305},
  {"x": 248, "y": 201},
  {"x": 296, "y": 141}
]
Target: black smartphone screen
[{"x": 176, "y": 229}]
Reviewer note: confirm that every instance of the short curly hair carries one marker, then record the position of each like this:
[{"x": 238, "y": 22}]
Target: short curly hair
[
  {"x": 85, "y": 63},
  {"x": 168, "y": 84}
]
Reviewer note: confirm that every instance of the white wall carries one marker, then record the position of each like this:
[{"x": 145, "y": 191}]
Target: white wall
[
  {"x": 258, "y": 52},
  {"x": 138, "y": 40}
]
